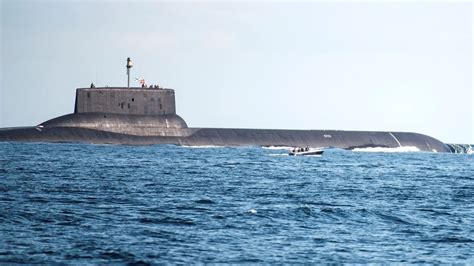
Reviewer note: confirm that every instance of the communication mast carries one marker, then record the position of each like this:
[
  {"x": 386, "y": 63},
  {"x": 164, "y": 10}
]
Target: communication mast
[{"x": 129, "y": 65}]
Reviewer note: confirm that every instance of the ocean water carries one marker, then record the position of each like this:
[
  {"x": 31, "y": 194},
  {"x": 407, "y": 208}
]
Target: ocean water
[{"x": 79, "y": 203}]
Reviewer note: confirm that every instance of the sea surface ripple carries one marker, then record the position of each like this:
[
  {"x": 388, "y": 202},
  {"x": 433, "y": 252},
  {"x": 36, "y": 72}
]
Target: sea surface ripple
[{"x": 80, "y": 203}]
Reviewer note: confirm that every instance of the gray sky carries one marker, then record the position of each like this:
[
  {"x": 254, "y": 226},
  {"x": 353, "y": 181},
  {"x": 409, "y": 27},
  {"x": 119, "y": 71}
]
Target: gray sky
[{"x": 309, "y": 65}]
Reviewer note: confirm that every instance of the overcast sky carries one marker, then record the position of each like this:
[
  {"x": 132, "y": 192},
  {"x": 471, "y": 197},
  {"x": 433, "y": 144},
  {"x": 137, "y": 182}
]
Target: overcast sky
[{"x": 310, "y": 65}]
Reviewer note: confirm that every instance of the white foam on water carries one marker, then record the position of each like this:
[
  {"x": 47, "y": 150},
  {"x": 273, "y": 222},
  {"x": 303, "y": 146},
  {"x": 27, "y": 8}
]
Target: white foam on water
[
  {"x": 384, "y": 149},
  {"x": 470, "y": 150},
  {"x": 202, "y": 147},
  {"x": 278, "y": 154},
  {"x": 277, "y": 147}
]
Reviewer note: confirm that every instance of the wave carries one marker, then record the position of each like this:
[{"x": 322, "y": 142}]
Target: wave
[
  {"x": 278, "y": 154},
  {"x": 202, "y": 147},
  {"x": 277, "y": 147},
  {"x": 385, "y": 149},
  {"x": 469, "y": 150}
]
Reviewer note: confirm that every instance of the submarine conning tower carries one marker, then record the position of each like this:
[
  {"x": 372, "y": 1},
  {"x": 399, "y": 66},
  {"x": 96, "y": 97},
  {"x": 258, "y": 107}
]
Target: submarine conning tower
[
  {"x": 123, "y": 100},
  {"x": 138, "y": 111}
]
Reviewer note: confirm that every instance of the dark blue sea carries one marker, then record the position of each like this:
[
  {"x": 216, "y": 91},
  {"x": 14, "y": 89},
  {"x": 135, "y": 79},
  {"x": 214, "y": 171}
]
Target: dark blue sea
[{"x": 92, "y": 204}]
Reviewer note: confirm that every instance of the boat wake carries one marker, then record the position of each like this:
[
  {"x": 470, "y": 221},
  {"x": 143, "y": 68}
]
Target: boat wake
[
  {"x": 278, "y": 154},
  {"x": 277, "y": 148}
]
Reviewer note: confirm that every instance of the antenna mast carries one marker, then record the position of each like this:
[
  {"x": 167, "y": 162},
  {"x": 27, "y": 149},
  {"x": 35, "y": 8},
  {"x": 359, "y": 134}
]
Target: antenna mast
[{"x": 129, "y": 65}]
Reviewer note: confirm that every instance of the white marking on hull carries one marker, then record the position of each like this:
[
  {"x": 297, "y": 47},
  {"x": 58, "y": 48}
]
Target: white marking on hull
[{"x": 399, "y": 145}]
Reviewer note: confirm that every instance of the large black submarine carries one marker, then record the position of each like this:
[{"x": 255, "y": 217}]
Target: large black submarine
[{"x": 147, "y": 115}]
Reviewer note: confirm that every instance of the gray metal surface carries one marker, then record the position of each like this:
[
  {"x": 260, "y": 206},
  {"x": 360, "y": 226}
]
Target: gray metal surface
[
  {"x": 120, "y": 100},
  {"x": 140, "y": 125},
  {"x": 147, "y": 116},
  {"x": 232, "y": 137}
]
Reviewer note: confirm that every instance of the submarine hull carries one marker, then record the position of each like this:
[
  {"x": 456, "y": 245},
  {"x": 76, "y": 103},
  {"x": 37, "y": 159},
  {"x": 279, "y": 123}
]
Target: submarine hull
[
  {"x": 232, "y": 137},
  {"x": 143, "y": 116}
]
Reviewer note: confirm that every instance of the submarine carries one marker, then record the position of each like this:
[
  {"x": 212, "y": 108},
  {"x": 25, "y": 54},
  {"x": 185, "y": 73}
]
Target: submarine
[{"x": 147, "y": 115}]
